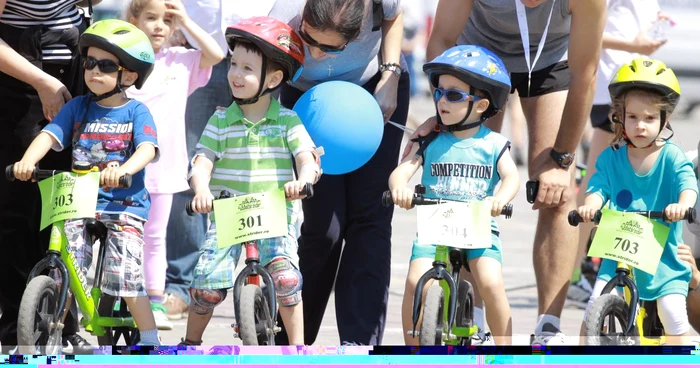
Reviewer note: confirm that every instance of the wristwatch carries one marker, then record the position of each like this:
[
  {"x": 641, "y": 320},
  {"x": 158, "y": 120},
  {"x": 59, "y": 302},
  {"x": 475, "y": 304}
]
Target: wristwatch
[
  {"x": 564, "y": 160},
  {"x": 392, "y": 67}
]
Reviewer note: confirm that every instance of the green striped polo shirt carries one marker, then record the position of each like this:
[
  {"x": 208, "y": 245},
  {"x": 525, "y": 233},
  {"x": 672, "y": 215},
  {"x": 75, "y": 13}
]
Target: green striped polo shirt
[{"x": 253, "y": 157}]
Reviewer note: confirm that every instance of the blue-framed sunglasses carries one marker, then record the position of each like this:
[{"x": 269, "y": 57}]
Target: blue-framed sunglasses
[{"x": 453, "y": 95}]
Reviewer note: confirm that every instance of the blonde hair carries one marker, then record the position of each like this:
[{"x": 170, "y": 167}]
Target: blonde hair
[
  {"x": 136, "y": 7},
  {"x": 649, "y": 96}
]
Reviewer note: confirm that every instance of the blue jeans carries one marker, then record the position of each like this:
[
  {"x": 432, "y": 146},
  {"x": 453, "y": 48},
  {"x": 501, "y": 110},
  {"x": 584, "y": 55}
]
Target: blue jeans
[{"x": 186, "y": 233}]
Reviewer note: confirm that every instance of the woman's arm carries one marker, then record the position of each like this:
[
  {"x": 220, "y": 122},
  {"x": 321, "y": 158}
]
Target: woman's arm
[
  {"x": 52, "y": 92},
  {"x": 387, "y": 87},
  {"x": 450, "y": 19}
]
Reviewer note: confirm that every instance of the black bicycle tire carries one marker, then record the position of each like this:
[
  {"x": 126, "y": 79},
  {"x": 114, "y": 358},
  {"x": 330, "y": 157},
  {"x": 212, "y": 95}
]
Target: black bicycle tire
[
  {"x": 465, "y": 308},
  {"x": 600, "y": 310},
  {"x": 431, "y": 323},
  {"x": 252, "y": 303},
  {"x": 26, "y": 329}
]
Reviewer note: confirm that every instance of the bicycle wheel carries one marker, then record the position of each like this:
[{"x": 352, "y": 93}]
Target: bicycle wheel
[
  {"x": 608, "y": 308},
  {"x": 129, "y": 335},
  {"x": 465, "y": 308},
  {"x": 35, "y": 333},
  {"x": 255, "y": 323},
  {"x": 433, "y": 310}
]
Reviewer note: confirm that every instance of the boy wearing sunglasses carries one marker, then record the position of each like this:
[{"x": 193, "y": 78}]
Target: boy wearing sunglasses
[
  {"x": 463, "y": 160},
  {"x": 116, "y": 55}
]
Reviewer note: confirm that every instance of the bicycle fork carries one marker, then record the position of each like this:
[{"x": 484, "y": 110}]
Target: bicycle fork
[
  {"x": 438, "y": 272},
  {"x": 253, "y": 271},
  {"x": 622, "y": 279}
]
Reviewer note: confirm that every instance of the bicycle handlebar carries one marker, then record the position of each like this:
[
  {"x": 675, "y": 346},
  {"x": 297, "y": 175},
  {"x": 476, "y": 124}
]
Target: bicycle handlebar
[
  {"x": 419, "y": 200},
  {"x": 39, "y": 174},
  {"x": 690, "y": 215},
  {"x": 308, "y": 191}
]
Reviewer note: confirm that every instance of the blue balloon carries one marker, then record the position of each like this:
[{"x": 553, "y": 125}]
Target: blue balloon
[{"x": 345, "y": 120}]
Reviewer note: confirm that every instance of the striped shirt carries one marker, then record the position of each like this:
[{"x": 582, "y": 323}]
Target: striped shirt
[
  {"x": 56, "y": 14},
  {"x": 253, "y": 157}
]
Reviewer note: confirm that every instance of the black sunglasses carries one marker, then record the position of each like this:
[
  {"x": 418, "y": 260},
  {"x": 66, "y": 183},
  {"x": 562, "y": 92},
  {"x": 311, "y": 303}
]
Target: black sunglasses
[
  {"x": 105, "y": 65},
  {"x": 453, "y": 95},
  {"x": 332, "y": 50}
]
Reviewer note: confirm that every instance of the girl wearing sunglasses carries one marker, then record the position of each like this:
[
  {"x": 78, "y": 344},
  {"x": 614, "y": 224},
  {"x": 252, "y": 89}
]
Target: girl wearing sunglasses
[
  {"x": 471, "y": 85},
  {"x": 357, "y": 41}
]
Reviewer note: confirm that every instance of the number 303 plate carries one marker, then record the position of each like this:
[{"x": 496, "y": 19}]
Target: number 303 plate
[{"x": 465, "y": 225}]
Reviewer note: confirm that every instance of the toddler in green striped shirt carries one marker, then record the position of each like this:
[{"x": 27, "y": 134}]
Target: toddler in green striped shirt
[{"x": 251, "y": 147}]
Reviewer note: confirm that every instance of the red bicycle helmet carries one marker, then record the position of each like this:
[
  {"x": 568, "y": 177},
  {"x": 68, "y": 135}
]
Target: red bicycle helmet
[{"x": 276, "y": 40}]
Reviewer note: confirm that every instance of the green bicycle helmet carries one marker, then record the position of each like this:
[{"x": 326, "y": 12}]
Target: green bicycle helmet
[{"x": 125, "y": 41}]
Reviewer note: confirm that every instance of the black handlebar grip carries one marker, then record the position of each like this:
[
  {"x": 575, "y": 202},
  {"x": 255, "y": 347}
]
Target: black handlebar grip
[
  {"x": 387, "y": 201},
  {"x": 574, "y": 218},
  {"x": 10, "y": 173},
  {"x": 308, "y": 190},
  {"x": 507, "y": 210},
  {"x": 691, "y": 215},
  {"x": 531, "y": 188},
  {"x": 125, "y": 181},
  {"x": 188, "y": 209}
]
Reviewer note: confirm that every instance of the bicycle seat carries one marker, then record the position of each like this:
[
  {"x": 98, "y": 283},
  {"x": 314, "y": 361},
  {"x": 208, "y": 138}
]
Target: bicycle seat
[{"x": 96, "y": 229}]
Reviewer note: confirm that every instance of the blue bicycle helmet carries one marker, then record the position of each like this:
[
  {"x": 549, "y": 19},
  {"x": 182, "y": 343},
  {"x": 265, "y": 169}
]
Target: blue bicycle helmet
[{"x": 478, "y": 67}]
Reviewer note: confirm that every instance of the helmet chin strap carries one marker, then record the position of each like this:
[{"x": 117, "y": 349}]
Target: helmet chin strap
[
  {"x": 119, "y": 88},
  {"x": 462, "y": 125}
]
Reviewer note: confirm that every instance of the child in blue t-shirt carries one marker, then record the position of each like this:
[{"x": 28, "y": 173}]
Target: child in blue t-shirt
[
  {"x": 118, "y": 135},
  {"x": 464, "y": 162},
  {"x": 643, "y": 172}
]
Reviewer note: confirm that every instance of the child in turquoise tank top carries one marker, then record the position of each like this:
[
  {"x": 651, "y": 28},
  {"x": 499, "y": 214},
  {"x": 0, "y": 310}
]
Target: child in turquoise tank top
[
  {"x": 643, "y": 172},
  {"x": 464, "y": 162}
]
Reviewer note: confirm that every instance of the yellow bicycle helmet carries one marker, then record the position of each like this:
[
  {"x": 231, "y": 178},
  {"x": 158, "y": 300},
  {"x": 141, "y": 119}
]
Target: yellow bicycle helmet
[
  {"x": 646, "y": 74},
  {"x": 649, "y": 74}
]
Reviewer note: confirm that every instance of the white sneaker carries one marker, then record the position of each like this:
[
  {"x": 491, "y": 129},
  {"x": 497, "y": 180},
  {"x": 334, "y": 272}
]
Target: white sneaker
[
  {"x": 482, "y": 339},
  {"x": 550, "y": 336},
  {"x": 162, "y": 321}
]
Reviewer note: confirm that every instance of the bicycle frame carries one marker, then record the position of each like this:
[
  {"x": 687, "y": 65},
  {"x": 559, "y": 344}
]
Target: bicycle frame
[
  {"x": 59, "y": 257},
  {"x": 446, "y": 267}
]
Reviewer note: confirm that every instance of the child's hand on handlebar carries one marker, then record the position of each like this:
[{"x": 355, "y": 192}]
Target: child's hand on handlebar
[
  {"x": 496, "y": 205},
  {"x": 292, "y": 190},
  {"x": 24, "y": 170},
  {"x": 109, "y": 177},
  {"x": 675, "y": 212},
  {"x": 403, "y": 197},
  {"x": 587, "y": 213},
  {"x": 203, "y": 201}
]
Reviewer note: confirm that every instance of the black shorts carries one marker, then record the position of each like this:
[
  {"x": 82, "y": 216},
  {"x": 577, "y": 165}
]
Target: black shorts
[
  {"x": 553, "y": 78},
  {"x": 600, "y": 118}
]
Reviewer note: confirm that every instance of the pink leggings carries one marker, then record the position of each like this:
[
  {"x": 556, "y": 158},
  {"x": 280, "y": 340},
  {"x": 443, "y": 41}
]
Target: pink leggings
[{"x": 155, "y": 261}]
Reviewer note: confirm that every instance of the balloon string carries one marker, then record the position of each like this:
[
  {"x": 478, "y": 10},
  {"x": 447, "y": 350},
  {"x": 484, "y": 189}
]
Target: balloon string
[{"x": 402, "y": 127}]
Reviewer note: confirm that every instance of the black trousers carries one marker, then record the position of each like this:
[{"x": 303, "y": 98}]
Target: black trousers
[
  {"x": 347, "y": 208},
  {"x": 21, "y": 243}
]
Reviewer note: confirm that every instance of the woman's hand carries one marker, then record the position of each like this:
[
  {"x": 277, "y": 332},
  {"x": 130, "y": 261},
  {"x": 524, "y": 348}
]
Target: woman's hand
[
  {"x": 385, "y": 94},
  {"x": 422, "y": 131},
  {"x": 53, "y": 95}
]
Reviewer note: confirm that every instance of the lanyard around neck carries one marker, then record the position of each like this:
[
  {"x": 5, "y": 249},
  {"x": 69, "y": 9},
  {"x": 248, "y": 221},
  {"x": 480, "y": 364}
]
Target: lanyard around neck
[{"x": 525, "y": 36}]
